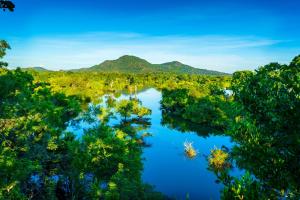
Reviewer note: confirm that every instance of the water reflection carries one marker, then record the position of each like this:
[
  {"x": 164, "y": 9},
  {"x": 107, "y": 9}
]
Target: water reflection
[
  {"x": 165, "y": 164},
  {"x": 178, "y": 123}
]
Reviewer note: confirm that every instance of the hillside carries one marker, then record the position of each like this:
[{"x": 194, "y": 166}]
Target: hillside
[
  {"x": 130, "y": 64},
  {"x": 133, "y": 64}
]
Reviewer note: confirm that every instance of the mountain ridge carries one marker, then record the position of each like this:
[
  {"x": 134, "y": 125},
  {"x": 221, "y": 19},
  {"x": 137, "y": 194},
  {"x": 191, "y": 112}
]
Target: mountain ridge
[{"x": 134, "y": 64}]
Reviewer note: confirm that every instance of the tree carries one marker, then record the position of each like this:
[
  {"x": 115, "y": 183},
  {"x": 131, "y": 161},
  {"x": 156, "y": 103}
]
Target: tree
[
  {"x": 267, "y": 127},
  {"x": 32, "y": 120},
  {"x": 125, "y": 108},
  {"x": 3, "y": 47},
  {"x": 5, "y": 4}
]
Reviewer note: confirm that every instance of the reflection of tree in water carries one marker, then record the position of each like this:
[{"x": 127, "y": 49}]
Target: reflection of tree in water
[
  {"x": 207, "y": 113},
  {"x": 134, "y": 118},
  {"x": 136, "y": 127},
  {"x": 183, "y": 112},
  {"x": 131, "y": 116},
  {"x": 176, "y": 122}
]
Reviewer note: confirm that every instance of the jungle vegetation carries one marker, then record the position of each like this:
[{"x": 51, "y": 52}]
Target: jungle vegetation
[
  {"x": 39, "y": 159},
  {"x": 91, "y": 85}
]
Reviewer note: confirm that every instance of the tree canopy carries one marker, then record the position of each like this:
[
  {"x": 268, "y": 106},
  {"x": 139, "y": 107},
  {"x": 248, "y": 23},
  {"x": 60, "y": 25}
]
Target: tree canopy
[{"x": 5, "y": 4}]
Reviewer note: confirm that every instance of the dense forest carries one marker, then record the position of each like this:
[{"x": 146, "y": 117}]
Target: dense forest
[
  {"x": 39, "y": 159},
  {"x": 92, "y": 84},
  {"x": 84, "y": 133}
]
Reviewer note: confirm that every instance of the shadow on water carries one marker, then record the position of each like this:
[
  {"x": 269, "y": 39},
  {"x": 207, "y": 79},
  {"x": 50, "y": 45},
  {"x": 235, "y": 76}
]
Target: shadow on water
[{"x": 180, "y": 124}]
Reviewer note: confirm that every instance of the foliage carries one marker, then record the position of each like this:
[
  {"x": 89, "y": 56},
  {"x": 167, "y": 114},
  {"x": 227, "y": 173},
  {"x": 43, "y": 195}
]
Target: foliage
[
  {"x": 219, "y": 160},
  {"x": 266, "y": 128},
  {"x": 245, "y": 188},
  {"x": 3, "y": 47},
  {"x": 32, "y": 120},
  {"x": 92, "y": 84},
  {"x": 5, "y": 4},
  {"x": 239, "y": 188},
  {"x": 39, "y": 159},
  {"x": 175, "y": 101},
  {"x": 127, "y": 108},
  {"x": 189, "y": 150},
  {"x": 213, "y": 110}
]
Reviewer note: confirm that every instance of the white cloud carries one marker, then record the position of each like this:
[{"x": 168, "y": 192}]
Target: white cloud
[{"x": 223, "y": 53}]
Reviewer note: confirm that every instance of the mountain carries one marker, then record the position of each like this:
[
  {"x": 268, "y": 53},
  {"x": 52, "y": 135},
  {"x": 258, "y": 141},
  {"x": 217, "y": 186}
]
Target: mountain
[
  {"x": 124, "y": 64},
  {"x": 133, "y": 64}
]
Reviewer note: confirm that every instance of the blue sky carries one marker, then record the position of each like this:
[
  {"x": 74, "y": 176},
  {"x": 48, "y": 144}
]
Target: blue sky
[{"x": 221, "y": 35}]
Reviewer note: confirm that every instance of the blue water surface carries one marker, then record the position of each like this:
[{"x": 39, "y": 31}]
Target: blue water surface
[{"x": 165, "y": 165}]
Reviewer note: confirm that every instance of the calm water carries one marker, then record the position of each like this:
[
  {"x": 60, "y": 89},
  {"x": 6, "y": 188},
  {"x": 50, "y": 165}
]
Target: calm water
[{"x": 165, "y": 165}]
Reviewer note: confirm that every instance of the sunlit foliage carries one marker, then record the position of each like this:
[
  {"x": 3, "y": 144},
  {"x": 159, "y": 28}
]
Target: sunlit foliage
[
  {"x": 39, "y": 159},
  {"x": 266, "y": 130},
  {"x": 213, "y": 110},
  {"x": 3, "y": 47},
  {"x": 219, "y": 160},
  {"x": 189, "y": 150}
]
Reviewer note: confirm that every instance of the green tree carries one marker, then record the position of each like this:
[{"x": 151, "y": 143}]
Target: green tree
[
  {"x": 267, "y": 127},
  {"x": 125, "y": 108},
  {"x": 3, "y": 47},
  {"x": 6, "y": 4},
  {"x": 32, "y": 120}
]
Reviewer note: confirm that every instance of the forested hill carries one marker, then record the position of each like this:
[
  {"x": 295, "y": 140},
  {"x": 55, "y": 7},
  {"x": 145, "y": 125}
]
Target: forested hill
[{"x": 133, "y": 64}]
